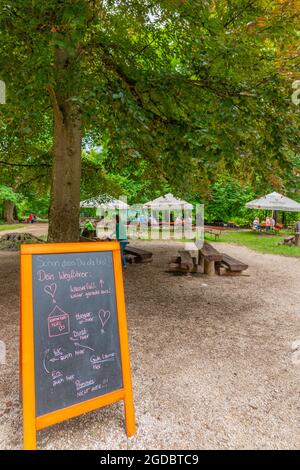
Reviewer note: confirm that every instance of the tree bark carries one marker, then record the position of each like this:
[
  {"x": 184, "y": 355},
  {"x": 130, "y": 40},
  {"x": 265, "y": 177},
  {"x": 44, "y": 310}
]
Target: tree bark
[
  {"x": 66, "y": 171},
  {"x": 9, "y": 207}
]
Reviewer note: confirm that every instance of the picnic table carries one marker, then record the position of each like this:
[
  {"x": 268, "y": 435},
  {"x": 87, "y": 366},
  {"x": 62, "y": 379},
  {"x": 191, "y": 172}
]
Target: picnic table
[
  {"x": 269, "y": 230},
  {"x": 206, "y": 260},
  {"x": 208, "y": 255}
]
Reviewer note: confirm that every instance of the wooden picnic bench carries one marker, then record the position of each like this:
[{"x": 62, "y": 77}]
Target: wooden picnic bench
[
  {"x": 200, "y": 260},
  {"x": 289, "y": 240},
  {"x": 230, "y": 265},
  {"x": 206, "y": 260},
  {"x": 140, "y": 256},
  {"x": 216, "y": 232},
  {"x": 292, "y": 239}
]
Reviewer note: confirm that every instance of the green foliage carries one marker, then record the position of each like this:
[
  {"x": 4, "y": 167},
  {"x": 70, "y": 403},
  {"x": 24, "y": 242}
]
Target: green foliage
[
  {"x": 227, "y": 202},
  {"x": 177, "y": 87},
  {"x": 7, "y": 194},
  {"x": 174, "y": 92},
  {"x": 228, "y": 196},
  {"x": 37, "y": 205}
]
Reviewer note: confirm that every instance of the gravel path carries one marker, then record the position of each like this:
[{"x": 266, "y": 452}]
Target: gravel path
[
  {"x": 215, "y": 362},
  {"x": 35, "y": 229}
]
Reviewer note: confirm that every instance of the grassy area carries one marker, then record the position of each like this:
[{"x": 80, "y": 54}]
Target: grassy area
[
  {"x": 263, "y": 243},
  {"x": 9, "y": 227}
]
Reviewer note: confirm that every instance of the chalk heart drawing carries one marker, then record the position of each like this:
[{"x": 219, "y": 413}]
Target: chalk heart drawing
[
  {"x": 104, "y": 316},
  {"x": 51, "y": 289}
]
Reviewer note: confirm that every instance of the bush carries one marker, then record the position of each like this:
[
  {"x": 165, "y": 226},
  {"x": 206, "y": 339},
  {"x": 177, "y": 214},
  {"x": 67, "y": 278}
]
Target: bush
[{"x": 227, "y": 203}]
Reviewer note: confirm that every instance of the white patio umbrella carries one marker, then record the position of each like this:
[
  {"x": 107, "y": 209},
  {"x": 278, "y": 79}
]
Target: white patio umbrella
[
  {"x": 168, "y": 201},
  {"x": 104, "y": 201},
  {"x": 275, "y": 202}
]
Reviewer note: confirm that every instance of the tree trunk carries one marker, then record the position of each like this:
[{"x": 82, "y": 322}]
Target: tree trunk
[
  {"x": 9, "y": 207},
  {"x": 66, "y": 172}
]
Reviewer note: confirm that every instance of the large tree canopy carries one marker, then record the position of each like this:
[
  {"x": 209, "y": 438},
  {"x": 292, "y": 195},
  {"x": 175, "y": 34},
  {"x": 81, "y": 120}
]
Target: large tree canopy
[{"x": 174, "y": 88}]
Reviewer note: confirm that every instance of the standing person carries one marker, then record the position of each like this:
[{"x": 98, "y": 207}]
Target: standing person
[
  {"x": 272, "y": 223},
  {"x": 297, "y": 233},
  {"x": 30, "y": 218},
  {"x": 121, "y": 236}
]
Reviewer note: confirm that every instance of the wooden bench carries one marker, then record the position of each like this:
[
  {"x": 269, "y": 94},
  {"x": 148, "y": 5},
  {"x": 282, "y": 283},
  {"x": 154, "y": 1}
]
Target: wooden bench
[
  {"x": 193, "y": 261},
  {"x": 289, "y": 240},
  {"x": 213, "y": 231},
  {"x": 208, "y": 260},
  {"x": 230, "y": 265},
  {"x": 292, "y": 240},
  {"x": 140, "y": 256}
]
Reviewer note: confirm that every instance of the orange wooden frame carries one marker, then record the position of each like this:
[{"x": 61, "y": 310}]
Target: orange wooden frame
[{"x": 32, "y": 423}]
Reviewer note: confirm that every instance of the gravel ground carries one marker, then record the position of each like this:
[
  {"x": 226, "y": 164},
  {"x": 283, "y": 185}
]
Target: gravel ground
[
  {"x": 215, "y": 363},
  {"x": 36, "y": 229}
]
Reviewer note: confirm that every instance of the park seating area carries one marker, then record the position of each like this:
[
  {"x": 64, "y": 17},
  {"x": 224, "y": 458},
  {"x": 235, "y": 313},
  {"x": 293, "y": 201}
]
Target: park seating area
[
  {"x": 149, "y": 266},
  {"x": 206, "y": 260}
]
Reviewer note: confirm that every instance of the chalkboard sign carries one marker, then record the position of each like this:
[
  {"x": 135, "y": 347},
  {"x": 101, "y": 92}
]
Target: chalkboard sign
[{"x": 73, "y": 332}]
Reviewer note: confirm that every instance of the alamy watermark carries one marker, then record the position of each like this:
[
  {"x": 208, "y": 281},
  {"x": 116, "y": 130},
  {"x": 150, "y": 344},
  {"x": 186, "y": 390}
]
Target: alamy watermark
[
  {"x": 295, "y": 95},
  {"x": 2, "y": 353},
  {"x": 2, "y": 92},
  {"x": 295, "y": 346},
  {"x": 179, "y": 221}
]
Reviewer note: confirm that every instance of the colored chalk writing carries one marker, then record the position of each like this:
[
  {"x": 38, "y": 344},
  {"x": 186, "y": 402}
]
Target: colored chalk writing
[
  {"x": 78, "y": 363},
  {"x": 82, "y": 324}
]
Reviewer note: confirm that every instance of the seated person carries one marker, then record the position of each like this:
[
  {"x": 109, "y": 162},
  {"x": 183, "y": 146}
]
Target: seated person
[
  {"x": 89, "y": 225},
  {"x": 268, "y": 224},
  {"x": 102, "y": 228},
  {"x": 188, "y": 220},
  {"x": 152, "y": 221},
  {"x": 88, "y": 230},
  {"x": 178, "y": 221},
  {"x": 272, "y": 223},
  {"x": 143, "y": 219},
  {"x": 255, "y": 224}
]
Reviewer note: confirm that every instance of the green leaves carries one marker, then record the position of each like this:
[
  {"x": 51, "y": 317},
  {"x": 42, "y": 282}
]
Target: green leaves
[
  {"x": 180, "y": 90},
  {"x": 7, "y": 194}
]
